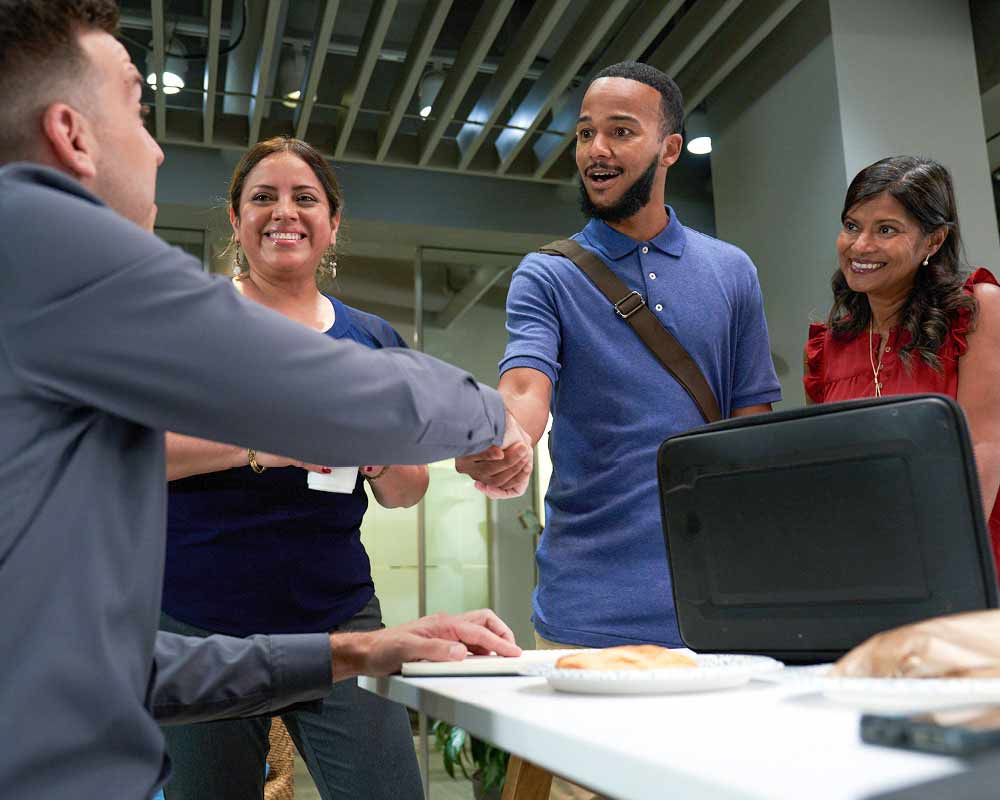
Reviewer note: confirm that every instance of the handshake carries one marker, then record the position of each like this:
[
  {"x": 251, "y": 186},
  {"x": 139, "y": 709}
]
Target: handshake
[{"x": 501, "y": 472}]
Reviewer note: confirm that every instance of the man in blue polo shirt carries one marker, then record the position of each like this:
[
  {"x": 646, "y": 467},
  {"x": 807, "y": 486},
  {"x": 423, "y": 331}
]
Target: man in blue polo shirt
[{"x": 602, "y": 572}]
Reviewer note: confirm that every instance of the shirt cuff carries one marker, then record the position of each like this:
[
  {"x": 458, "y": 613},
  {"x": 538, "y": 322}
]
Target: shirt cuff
[
  {"x": 496, "y": 412},
  {"x": 303, "y": 667}
]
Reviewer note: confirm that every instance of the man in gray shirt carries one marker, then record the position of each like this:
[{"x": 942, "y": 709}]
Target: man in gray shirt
[{"x": 107, "y": 338}]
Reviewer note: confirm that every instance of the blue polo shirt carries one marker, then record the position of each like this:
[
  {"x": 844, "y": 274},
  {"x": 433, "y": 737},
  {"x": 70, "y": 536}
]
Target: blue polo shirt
[
  {"x": 250, "y": 553},
  {"x": 603, "y": 577}
]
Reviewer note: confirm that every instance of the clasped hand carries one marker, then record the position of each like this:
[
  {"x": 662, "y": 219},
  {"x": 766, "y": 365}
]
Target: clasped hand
[{"x": 501, "y": 472}]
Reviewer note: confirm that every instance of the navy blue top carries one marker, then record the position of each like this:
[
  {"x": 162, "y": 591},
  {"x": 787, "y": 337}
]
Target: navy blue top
[
  {"x": 603, "y": 577},
  {"x": 250, "y": 553}
]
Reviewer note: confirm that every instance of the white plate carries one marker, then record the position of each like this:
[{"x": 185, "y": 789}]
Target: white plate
[
  {"x": 893, "y": 694},
  {"x": 486, "y": 665},
  {"x": 713, "y": 672}
]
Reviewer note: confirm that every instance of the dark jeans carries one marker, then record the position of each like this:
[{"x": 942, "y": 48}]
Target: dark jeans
[{"x": 359, "y": 747}]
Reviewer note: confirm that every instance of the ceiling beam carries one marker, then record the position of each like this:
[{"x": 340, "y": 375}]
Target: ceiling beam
[
  {"x": 594, "y": 23},
  {"x": 480, "y": 283},
  {"x": 733, "y": 44},
  {"x": 477, "y": 44},
  {"x": 693, "y": 31},
  {"x": 159, "y": 102},
  {"x": 631, "y": 42},
  {"x": 196, "y": 27},
  {"x": 529, "y": 40},
  {"x": 211, "y": 70},
  {"x": 371, "y": 43},
  {"x": 317, "y": 57},
  {"x": 424, "y": 37},
  {"x": 267, "y": 65}
]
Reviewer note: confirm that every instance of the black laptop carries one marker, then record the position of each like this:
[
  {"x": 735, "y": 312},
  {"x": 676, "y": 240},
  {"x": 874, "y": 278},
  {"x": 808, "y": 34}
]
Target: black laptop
[{"x": 801, "y": 533}]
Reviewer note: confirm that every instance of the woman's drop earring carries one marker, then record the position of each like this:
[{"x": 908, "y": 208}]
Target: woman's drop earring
[
  {"x": 238, "y": 262},
  {"x": 328, "y": 264}
]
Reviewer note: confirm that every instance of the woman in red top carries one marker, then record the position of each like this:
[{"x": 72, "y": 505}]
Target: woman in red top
[{"x": 904, "y": 318}]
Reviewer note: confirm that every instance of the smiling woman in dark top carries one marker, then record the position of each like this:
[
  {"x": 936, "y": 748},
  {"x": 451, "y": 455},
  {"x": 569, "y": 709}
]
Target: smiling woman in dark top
[{"x": 252, "y": 549}]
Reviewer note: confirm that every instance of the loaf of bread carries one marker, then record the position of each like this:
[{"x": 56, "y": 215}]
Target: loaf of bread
[{"x": 630, "y": 656}]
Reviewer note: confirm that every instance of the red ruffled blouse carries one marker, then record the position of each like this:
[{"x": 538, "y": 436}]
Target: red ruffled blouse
[{"x": 841, "y": 369}]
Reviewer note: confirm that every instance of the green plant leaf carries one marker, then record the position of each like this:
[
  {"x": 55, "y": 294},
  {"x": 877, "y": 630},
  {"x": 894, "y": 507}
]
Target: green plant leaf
[
  {"x": 440, "y": 731},
  {"x": 455, "y": 743},
  {"x": 454, "y": 748},
  {"x": 493, "y": 774}
]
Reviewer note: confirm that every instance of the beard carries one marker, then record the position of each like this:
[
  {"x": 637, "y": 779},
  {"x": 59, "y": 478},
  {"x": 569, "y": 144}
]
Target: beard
[{"x": 633, "y": 200}]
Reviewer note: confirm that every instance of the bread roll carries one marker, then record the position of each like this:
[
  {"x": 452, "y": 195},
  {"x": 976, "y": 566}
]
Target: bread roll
[{"x": 630, "y": 656}]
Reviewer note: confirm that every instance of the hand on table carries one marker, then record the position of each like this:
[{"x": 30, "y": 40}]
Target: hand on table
[
  {"x": 501, "y": 472},
  {"x": 440, "y": 637},
  {"x": 961, "y": 645}
]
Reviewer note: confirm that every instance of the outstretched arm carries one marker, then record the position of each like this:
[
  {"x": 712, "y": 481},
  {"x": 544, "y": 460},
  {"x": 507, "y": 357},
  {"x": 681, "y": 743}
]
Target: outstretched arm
[
  {"x": 188, "y": 455},
  {"x": 504, "y": 471}
]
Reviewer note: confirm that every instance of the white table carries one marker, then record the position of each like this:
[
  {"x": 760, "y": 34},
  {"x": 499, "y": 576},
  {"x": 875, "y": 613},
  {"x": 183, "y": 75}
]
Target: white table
[{"x": 760, "y": 741}]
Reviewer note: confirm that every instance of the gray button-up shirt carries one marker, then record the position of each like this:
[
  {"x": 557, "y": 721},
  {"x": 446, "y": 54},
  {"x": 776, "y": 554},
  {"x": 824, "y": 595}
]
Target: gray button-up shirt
[{"x": 107, "y": 338}]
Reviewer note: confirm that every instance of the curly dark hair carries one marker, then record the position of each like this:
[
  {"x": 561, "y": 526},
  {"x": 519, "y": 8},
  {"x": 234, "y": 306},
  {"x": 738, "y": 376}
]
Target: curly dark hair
[
  {"x": 924, "y": 188},
  {"x": 41, "y": 62},
  {"x": 671, "y": 101}
]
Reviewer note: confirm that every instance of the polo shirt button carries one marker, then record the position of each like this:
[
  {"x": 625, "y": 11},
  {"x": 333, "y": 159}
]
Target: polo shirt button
[
  {"x": 652, "y": 276},
  {"x": 659, "y": 307},
  {"x": 645, "y": 250}
]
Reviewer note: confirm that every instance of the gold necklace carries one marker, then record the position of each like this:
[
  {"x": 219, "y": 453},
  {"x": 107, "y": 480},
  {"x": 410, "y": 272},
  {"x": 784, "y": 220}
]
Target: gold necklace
[{"x": 876, "y": 368}]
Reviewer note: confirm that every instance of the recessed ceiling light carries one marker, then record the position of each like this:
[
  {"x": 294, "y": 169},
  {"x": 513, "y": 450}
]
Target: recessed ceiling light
[{"x": 700, "y": 145}]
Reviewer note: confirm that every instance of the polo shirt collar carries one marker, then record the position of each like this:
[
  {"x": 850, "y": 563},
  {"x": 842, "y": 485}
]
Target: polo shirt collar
[{"x": 670, "y": 240}]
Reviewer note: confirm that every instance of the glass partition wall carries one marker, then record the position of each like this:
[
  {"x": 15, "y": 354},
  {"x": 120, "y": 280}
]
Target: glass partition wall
[{"x": 456, "y": 550}]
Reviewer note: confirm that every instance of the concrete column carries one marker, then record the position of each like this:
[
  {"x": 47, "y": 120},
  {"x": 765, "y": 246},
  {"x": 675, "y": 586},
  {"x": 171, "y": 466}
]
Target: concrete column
[
  {"x": 907, "y": 83},
  {"x": 840, "y": 84}
]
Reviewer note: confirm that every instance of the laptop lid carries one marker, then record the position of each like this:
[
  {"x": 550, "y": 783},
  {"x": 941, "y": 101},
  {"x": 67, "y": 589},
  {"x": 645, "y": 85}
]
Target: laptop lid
[{"x": 801, "y": 533}]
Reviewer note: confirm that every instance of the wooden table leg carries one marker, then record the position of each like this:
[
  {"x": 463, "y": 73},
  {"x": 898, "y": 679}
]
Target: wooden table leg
[{"x": 526, "y": 781}]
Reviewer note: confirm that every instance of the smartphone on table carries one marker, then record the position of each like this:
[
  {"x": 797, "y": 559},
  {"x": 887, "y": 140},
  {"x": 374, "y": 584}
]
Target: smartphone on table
[{"x": 965, "y": 731}]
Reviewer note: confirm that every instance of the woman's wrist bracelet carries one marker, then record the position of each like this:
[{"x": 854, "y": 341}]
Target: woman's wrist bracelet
[{"x": 252, "y": 461}]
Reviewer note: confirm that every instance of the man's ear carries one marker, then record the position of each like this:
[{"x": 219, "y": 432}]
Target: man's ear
[
  {"x": 671, "y": 151},
  {"x": 71, "y": 141}
]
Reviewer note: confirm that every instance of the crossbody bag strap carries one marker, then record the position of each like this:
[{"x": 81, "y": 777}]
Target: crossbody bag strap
[{"x": 630, "y": 306}]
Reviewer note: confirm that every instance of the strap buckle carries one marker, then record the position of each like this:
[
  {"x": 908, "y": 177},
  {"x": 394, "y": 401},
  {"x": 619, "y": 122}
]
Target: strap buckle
[{"x": 626, "y": 313}]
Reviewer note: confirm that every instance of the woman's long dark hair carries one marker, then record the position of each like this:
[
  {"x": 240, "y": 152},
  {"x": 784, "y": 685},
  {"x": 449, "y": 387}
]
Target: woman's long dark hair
[{"x": 924, "y": 188}]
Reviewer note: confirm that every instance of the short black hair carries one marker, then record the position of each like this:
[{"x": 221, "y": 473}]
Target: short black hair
[
  {"x": 671, "y": 101},
  {"x": 41, "y": 62}
]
